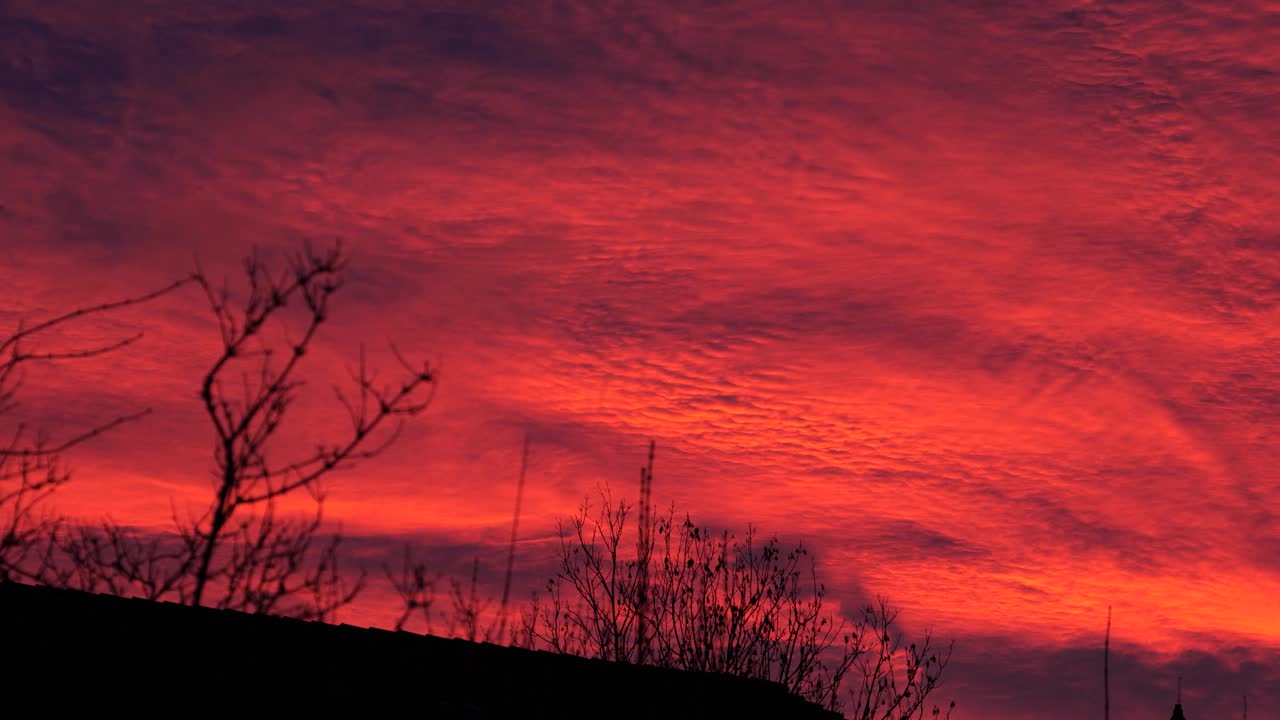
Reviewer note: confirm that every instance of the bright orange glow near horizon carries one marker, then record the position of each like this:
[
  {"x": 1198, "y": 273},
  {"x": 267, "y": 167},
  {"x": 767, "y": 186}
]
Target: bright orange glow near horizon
[{"x": 979, "y": 302}]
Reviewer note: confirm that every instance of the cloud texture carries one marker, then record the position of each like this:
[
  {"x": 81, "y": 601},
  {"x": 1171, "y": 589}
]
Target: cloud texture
[{"x": 980, "y": 299}]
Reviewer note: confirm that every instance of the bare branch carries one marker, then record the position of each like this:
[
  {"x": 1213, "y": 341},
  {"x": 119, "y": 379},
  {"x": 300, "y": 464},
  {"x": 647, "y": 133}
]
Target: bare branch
[
  {"x": 23, "y": 334},
  {"x": 241, "y": 552},
  {"x": 31, "y": 469}
]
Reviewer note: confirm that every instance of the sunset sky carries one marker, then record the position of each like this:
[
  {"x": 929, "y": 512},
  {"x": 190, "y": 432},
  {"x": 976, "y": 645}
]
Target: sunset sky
[{"x": 980, "y": 300}]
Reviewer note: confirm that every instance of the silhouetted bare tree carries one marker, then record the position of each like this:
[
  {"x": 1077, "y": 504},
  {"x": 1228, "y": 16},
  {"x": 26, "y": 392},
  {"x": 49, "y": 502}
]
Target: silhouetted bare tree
[
  {"x": 892, "y": 677},
  {"x": 466, "y": 615},
  {"x": 240, "y": 553},
  {"x": 415, "y": 584},
  {"x": 714, "y": 602},
  {"x": 31, "y": 465},
  {"x": 467, "y": 609}
]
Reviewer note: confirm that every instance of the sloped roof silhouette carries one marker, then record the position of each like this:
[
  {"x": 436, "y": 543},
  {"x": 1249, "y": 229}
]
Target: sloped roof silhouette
[
  {"x": 148, "y": 658},
  {"x": 1177, "y": 713}
]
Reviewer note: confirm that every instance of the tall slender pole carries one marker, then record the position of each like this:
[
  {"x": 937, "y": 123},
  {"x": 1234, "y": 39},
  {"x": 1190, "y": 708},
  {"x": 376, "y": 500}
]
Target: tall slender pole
[
  {"x": 515, "y": 528},
  {"x": 1106, "y": 670}
]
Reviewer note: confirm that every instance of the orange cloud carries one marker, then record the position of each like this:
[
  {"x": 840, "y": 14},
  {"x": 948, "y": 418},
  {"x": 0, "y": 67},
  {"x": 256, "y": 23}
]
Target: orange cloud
[{"x": 980, "y": 302}]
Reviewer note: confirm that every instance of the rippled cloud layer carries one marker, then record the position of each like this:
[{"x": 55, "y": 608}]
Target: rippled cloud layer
[{"x": 979, "y": 299}]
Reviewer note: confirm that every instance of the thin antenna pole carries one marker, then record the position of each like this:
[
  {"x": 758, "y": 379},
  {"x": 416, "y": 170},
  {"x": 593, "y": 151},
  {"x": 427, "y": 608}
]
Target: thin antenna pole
[
  {"x": 1179, "y": 689},
  {"x": 1106, "y": 670},
  {"x": 515, "y": 528},
  {"x": 1246, "y": 705}
]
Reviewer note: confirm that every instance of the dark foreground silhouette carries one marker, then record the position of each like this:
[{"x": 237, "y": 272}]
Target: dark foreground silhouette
[{"x": 144, "y": 658}]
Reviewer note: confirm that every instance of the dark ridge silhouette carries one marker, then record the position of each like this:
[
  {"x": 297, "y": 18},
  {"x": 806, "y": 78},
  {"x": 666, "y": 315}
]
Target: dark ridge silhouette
[{"x": 143, "y": 657}]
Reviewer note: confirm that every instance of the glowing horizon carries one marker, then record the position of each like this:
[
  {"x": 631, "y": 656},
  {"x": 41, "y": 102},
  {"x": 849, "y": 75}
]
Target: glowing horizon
[{"x": 980, "y": 303}]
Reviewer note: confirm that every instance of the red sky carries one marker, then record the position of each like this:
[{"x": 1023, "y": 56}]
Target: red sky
[{"x": 980, "y": 300}]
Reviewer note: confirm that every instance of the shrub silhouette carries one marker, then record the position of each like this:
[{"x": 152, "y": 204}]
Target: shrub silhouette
[{"x": 678, "y": 595}]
